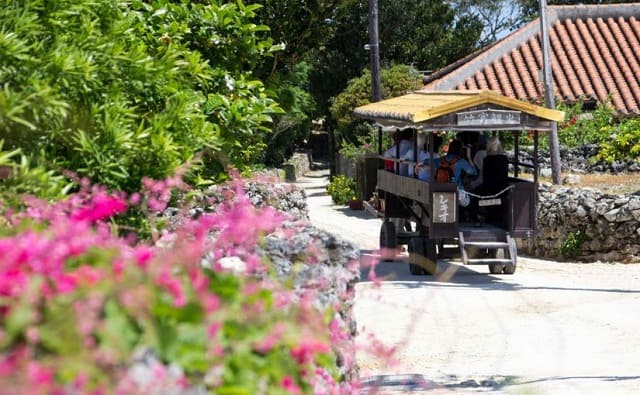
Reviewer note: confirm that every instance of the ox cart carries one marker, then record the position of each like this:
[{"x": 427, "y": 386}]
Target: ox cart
[{"x": 433, "y": 207}]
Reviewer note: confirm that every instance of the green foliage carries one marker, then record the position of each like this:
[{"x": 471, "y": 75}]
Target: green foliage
[
  {"x": 617, "y": 138},
  {"x": 301, "y": 28},
  {"x": 497, "y": 16},
  {"x": 586, "y": 128},
  {"x": 572, "y": 245},
  {"x": 623, "y": 144},
  {"x": 117, "y": 91},
  {"x": 342, "y": 189},
  {"x": 424, "y": 33},
  {"x": 394, "y": 81},
  {"x": 22, "y": 176},
  {"x": 291, "y": 128},
  {"x": 366, "y": 141}
]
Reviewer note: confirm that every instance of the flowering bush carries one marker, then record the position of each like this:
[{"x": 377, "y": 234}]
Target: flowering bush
[
  {"x": 77, "y": 302},
  {"x": 366, "y": 142},
  {"x": 342, "y": 189}
]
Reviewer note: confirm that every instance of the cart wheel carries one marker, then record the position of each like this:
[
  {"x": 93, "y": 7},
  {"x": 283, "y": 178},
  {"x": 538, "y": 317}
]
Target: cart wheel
[
  {"x": 416, "y": 256},
  {"x": 510, "y": 268},
  {"x": 388, "y": 240},
  {"x": 431, "y": 256},
  {"x": 497, "y": 268}
]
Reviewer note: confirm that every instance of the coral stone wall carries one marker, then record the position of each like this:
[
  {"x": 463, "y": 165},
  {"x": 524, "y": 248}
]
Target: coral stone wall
[{"x": 611, "y": 224}]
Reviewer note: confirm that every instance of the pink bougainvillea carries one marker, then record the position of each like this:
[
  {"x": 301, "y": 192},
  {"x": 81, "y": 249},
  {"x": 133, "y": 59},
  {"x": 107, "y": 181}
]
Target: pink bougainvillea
[{"x": 77, "y": 300}]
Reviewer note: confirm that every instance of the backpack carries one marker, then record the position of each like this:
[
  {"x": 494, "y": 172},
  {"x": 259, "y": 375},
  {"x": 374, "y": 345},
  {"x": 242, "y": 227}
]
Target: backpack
[{"x": 444, "y": 172}]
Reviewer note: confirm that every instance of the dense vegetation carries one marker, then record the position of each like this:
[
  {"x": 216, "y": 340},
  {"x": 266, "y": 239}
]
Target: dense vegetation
[{"x": 116, "y": 91}]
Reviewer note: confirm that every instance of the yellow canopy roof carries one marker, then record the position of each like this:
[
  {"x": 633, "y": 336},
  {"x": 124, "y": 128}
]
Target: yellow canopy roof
[{"x": 421, "y": 106}]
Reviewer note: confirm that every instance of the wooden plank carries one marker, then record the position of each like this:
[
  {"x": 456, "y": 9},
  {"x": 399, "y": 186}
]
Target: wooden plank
[{"x": 408, "y": 187}]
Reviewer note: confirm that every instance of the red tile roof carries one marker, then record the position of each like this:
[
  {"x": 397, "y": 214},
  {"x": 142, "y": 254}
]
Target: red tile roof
[{"x": 595, "y": 53}]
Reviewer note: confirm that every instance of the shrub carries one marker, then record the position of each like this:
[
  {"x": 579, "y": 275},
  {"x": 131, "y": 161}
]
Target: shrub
[
  {"x": 116, "y": 91},
  {"x": 571, "y": 247},
  {"x": 586, "y": 127},
  {"x": 366, "y": 142},
  {"x": 342, "y": 189},
  {"x": 623, "y": 144},
  {"x": 395, "y": 81},
  {"x": 77, "y": 302}
]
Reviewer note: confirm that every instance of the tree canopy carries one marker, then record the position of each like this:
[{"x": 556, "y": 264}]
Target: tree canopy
[
  {"x": 117, "y": 91},
  {"x": 422, "y": 33}
]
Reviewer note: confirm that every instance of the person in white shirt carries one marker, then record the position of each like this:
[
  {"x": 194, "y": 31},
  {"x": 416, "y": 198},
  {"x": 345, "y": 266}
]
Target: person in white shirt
[
  {"x": 424, "y": 171},
  {"x": 401, "y": 144}
]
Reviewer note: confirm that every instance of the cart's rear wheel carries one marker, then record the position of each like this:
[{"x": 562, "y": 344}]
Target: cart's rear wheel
[
  {"x": 497, "y": 268},
  {"x": 416, "y": 256},
  {"x": 431, "y": 254},
  {"x": 388, "y": 240},
  {"x": 510, "y": 267}
]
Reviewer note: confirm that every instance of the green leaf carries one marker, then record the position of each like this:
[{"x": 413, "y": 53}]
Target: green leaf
[
  {"x": 118, "y": 333},
  {"x": 59, "y": 333}
]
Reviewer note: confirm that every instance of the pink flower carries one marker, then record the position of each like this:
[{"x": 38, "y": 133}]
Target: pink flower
[
  {"x": 213, "y": 329},
  {"x": 38, "y": 374},
  {"x": 143, "y": 255},
  {"x": 33, "y": 336},
  {"x": 305, "y": 351},
  {"x": 87, "y": 275},
  {"x": 134, "y": 199},
  {"x": 289, "y": 385},
  {"x": 266, "y": 344},
  {"x": 65, "y": 283},
  {"x": 173, "y": 286},
  {"x": 210, "y": 302},
  {"x": 101, "y": 207}
]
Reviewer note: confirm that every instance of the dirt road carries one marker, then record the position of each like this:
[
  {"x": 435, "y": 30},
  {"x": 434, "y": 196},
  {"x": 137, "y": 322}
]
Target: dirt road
[{"x": 552, "y": 328}]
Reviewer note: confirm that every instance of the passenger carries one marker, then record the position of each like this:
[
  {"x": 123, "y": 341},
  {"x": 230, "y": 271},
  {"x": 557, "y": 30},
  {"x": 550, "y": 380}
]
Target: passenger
[
  {"x": 469, "y": 139},
  {"x": 496, "y": 165},
  {"x": 463, "y": 163},
  {"x": 401, "y": 144},
  {"x": 423, "y": 156}
]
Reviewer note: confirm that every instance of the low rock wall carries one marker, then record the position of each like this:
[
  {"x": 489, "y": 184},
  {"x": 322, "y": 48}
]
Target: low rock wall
[
  {"x": 578, "y": 160},
  {"x": 297, "y": 165},
  {"x": 310, "y": 259},
  {"x": 587, "y": 225}
]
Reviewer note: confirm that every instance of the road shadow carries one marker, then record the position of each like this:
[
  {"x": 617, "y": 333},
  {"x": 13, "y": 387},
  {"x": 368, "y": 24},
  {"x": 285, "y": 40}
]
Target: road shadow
[
  {"x": 316, "y": 194},
  {"x": 362, "y": 214},
  {"x": 452, "y": 273},
  {"x": 567, "y": 378}
]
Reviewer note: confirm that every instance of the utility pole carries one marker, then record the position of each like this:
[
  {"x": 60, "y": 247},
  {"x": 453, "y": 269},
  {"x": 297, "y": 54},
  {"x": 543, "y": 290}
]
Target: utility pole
[
  {"x": 374, "y": 50},
  {"x": 554, "y": 145}
]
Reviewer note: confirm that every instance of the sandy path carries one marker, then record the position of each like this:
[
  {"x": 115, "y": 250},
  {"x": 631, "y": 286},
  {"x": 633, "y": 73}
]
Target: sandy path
[{"x": 552, "y": 328}]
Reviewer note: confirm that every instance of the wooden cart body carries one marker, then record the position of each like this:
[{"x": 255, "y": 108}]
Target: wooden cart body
[{"x": 433, "y": 207}]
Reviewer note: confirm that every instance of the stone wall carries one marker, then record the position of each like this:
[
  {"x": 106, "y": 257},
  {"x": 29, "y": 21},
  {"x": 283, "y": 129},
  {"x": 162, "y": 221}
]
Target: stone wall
[
  {"x": 578, "y": 160},
  {"x": 609, "y": 223},
  {"x": 310, "y": 259},
  {"x": 297, "y": 165}
]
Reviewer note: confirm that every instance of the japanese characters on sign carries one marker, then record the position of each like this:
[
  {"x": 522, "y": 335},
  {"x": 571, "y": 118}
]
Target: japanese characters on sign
[
  {"x": 489, "y": 117},
  {"x": 444, "y": 207}
]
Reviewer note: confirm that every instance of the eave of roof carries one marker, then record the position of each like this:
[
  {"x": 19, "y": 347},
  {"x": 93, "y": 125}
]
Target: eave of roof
[{"x": 421, "y": 106}]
